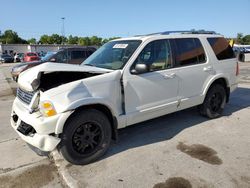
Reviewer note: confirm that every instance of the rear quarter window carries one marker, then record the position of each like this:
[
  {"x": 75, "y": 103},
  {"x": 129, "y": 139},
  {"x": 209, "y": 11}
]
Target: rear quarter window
[{"x": 221, "y": 48}]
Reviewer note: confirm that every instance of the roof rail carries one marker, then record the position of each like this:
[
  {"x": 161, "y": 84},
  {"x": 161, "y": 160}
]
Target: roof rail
[
  {"x": 189, "y": 32},
  {"x": 180, "y": 32}
]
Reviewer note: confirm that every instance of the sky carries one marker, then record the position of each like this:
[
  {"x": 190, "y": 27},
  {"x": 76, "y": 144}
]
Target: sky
[{"x": 109, "y": 18}]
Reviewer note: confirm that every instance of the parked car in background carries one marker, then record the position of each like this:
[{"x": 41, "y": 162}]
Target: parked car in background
[
  {"x": 5, "y": 58},
  {"x": 18, "y": 57},
  {"x": 30, "y": 56},
  {"x": 41, "y": 54},
  {"x": 64, "y": 55},
  {"x": 247, "y": 50}
]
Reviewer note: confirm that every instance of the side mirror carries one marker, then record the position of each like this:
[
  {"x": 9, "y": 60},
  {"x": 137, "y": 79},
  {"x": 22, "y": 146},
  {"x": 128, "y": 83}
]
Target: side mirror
[
  {"x": 53, "y": 60},
  {"x": 140, "y": 69}
]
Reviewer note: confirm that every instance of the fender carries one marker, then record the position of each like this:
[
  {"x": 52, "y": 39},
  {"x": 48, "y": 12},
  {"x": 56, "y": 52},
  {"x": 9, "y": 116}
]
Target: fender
[
  {"x": 91, "y": 101},
  {"x": 82, "y": 102},
  {"x": 61, "y": 121},
  {"x": 211, "y": 81}
]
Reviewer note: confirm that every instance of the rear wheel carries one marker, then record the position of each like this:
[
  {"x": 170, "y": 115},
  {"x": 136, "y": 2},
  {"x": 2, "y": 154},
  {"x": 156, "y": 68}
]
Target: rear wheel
[
  {"x": 86, "y": 137},
  {"x": 214, "y": 102}
]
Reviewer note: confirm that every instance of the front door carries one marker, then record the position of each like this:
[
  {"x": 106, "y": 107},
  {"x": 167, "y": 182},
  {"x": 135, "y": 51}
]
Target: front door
[{"x": 155, "y": 92}]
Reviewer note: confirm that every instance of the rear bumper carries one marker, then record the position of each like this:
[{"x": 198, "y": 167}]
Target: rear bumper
[{"x": 233, "y": 87}]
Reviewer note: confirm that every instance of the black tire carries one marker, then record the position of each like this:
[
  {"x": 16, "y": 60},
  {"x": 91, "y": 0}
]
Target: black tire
[
  {"x": 214, "y": 102},
  {"x": 86, "y": 137}
]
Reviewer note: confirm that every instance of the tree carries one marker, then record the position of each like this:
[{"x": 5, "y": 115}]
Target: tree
[
  {"x": 44, "y": 39},
  {"x": 11, "y": 37},
  {"x": 246, "y": 39},
  {"x": 94, "y": 40},
  {"x": 109, "y": 39},
  {"x": 73, "y": 40},
  {"x": 84, "y": 41},
  {"x": 55, "y": 39},
  {"x": 32, "y": 41},
  {"x": 239, "y": 38}
]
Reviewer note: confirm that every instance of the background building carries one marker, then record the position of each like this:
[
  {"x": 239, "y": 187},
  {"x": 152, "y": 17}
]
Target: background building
[{"x": 23, "y": 48}]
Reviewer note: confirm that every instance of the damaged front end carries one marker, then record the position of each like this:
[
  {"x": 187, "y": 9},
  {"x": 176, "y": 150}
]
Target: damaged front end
[
  {"x": 43, "y": 96},
  {"x": 48, "y": 76}
]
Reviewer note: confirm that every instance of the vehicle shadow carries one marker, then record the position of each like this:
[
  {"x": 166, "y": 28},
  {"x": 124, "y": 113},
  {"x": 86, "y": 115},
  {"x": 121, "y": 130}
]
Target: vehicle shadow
[{"x": 168, "y": 126}]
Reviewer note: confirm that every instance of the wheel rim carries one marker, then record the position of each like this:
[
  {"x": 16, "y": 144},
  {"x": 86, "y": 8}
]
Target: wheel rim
[
  {"x": 87, "y": 138},
  {"x": 216, "y": 102}
]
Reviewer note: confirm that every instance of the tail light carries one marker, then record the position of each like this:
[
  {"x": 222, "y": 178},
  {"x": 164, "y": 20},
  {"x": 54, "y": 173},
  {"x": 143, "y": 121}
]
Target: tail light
[{"x": 237, "y": 69}]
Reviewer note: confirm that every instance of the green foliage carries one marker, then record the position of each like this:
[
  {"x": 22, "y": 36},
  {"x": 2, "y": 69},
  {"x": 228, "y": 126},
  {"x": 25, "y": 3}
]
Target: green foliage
[
  {"x": 84, "y": 41},
  {"x": 53, "y": 39},
  {"x": 73, "y": 40},
  {"x": 246, "y": 39},
  {"x": 11, "y": 37},
  {"x": 32, "y": 41},
  {"x": 241, "y": 39},
  {"x": 44, "y": 39}
]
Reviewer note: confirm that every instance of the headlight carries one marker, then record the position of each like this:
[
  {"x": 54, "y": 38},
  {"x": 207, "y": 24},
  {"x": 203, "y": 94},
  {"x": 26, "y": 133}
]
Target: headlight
[
  {"x": 47, "y": 109},
  {"x": 19, "y": 69}
]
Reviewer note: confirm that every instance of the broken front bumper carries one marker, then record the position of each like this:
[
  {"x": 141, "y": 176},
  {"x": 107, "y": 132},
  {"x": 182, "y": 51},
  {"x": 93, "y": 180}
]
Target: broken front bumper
[{"x": 34, "y": 129}]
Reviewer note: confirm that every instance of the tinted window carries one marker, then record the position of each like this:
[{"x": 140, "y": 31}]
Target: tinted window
[
  {"x": 156, "y": 55},
  {"x": 221, "y": 48},
  {"x": 188, "y": 51},
  {"x": 89, "y": 52},
  {"x": 61, "y": 57},
  {"x": 77, "y": 54}
]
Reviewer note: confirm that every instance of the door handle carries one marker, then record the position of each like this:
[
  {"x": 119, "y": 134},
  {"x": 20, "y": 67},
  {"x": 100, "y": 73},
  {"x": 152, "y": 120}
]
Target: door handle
[
  {"x": 169, "y": 76},
  {"x": 208, "y": 69}
]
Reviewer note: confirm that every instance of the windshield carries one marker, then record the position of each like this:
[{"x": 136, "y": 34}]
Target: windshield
[
  {"x": 48, "y": 56},
  {"x": 113, "y": 55}
]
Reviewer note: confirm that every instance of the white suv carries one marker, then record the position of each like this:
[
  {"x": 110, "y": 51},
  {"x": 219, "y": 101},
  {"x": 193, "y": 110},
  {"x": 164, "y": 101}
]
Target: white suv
[{"x": 78, "y": 109}]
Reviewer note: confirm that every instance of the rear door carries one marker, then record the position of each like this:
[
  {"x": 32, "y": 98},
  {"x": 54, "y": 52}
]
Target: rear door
[{"x": 194, "y": 70}]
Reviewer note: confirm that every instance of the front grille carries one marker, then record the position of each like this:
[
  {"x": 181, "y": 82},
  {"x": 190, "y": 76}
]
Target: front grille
[{"x": 24, "y": 96}]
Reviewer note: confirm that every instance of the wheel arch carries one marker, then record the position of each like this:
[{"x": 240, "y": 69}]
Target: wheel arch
[
  {"x": 97, "y": 106},
  {"x": 218, "y": 80}
]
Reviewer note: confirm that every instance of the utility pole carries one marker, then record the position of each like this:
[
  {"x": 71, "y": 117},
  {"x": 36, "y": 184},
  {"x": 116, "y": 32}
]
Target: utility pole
[{"x": 63, "y": 31}]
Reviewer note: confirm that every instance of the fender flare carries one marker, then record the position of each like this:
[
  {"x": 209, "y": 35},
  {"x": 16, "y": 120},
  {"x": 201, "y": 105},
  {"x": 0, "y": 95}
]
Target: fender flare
[{"x": 211, "y": 81}]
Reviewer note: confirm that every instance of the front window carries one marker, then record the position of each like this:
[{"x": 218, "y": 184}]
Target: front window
[
  {"x": 113, "y": 55},
  {"x": 156, "y": 55}
]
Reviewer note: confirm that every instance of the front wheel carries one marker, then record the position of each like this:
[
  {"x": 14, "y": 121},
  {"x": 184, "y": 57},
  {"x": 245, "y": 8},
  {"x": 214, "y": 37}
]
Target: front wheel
[
  {"x": 214, "y": 102},
  {"x": 86, "y": 137}
]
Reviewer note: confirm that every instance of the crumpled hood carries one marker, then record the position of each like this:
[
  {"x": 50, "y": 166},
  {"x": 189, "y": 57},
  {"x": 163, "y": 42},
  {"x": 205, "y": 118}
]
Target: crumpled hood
[{"x": 27, "y": 77}]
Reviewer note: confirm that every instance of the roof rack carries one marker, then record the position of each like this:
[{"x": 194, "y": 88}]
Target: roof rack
[
  {"x": 181, "y": 32},
  {"x": 189, "y": 32}
]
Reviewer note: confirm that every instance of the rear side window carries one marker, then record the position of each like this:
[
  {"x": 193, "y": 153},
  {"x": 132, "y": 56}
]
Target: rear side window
[
  {"x": 78, "y": 54},
  {"x": 221, "y": 48},
  {"x": 89, "y": 52},
  {"x": 188, "y": 51}
]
